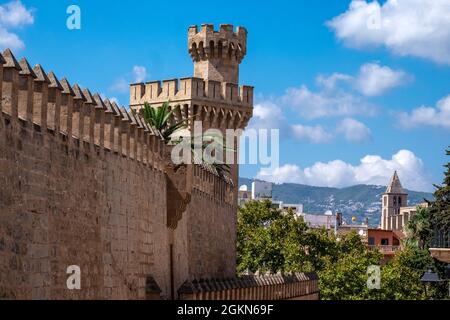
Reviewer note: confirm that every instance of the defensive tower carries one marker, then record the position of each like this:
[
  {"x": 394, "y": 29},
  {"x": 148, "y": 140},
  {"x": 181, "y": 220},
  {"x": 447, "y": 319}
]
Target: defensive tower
[{"x": 213, "y": 94}]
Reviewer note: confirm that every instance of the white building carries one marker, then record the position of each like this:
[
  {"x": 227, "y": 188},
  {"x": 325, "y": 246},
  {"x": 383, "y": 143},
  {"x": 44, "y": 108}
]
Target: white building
[{"x": 262, "y": 190}]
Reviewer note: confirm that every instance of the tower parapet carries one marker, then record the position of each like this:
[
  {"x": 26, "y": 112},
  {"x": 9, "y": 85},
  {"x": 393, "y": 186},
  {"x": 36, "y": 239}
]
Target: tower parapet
[{"x": 217, "y": 54}]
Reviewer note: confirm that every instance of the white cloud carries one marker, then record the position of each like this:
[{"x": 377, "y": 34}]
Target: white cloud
[
  {"x": 315, "y": 134},
  {"x": 372, "y": 169},
  {"x": 122, "y": 85},
  {"x": 10, "y": 40},
  {"x": 268, "y": 115},
  {"x": 428, "y": 116},
  {"x": 326, "y": 103},
  {"x": 353, "y": 130},
  {"x": 139, "y": 73},
  {"x": 330, "y": 82},
  {"x": 419, "y": 28},
  {"x": 374, "y": 79},
  {"x": 13, "y": 15}
]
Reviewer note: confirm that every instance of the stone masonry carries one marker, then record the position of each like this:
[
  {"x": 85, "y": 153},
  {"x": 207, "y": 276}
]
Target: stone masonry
[{"x": 85, "y": 182}]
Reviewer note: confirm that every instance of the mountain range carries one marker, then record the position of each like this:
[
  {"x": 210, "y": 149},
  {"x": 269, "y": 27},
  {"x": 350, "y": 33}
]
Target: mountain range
[{"x": 360, "y": 201}]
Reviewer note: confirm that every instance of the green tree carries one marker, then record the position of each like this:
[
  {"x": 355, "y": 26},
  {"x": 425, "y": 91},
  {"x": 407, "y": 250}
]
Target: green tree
[
  {"x": 269, "y": 240},
  {"x": 440, "y": 207},
  {"x": 344, "y": 275},
  {"x": 320, "y": 247},
  {"x": 400, "y": 277},
  {"x": 158, "y": 119},
  {"x": 419, "y": 229}
]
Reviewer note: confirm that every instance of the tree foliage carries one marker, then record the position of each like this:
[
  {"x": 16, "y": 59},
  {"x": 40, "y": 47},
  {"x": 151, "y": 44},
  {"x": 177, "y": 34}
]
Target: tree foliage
[
  {"x": 440, "y": 207},
  {"x": 271, "y": 240},
  {"x": 158, "y": 119},
  {"x": 268, "y": 240},
  {"x": 344, "y": 275},
  {"x": 419, "y": 229}
]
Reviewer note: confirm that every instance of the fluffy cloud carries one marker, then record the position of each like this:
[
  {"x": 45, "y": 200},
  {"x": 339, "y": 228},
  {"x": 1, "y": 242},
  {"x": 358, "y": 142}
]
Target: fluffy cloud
[
  {"x": 419, "y": 28},
  {"x": 353, "y": 130},
  {"x": 268, "y": 115},
  {"x": 334, "y": 100},
  {"x": 315, "y": 134},
  {"x": 330, "y": 82},
  {"x": 13, "y": 15},
  {"x": 122, "y": 85},
  {"x": 325, "y": 103},
  {"x": 10, "y": 40},
  {"x": 372, "y": 169},
  {"x": 373, "y": 79},
  {"x": 429, "y": 116}
]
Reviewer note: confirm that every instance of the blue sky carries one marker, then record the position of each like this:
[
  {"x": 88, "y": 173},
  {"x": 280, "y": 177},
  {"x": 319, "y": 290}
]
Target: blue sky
[{"x": 345, "y": 81}]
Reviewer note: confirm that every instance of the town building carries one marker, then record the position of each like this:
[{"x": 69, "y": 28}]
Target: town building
[
  {"x": 262, "y": 190},
  {"x": 388, "y": 242}
]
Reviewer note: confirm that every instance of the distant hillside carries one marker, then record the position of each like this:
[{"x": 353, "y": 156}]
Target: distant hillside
[{"x": 360, "y": 200}]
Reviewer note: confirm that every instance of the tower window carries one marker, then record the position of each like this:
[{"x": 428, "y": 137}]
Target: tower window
[
  {"x": 399, "y": 201},
  {"x": 395, "y": 201}
]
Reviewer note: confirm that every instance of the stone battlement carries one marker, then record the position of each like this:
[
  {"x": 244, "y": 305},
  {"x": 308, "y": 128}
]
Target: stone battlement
[
  {"x": 295, "y": 286},
  {"x": 85, "y": 119},
  {"x": 191, "y": 89},
  {"x": 53, "y": 105},
  {"x": 223, "y": 44}
]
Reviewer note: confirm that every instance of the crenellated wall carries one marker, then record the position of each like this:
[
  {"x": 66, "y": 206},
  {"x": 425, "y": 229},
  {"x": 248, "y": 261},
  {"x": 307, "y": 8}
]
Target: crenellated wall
[
  {"x": 85, "y": 182},
  {"x": 217, "y": 54},
  {"x": 294, "y": 286},
  {"x": 187, "y": 89}
]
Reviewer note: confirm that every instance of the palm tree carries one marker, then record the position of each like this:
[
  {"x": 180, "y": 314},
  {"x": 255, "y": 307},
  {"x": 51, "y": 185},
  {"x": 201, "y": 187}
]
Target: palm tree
[
  {"x": 158, "y": 119},
  {"x": 220, "y": 168},
  {"x": 419, "y": 228}
]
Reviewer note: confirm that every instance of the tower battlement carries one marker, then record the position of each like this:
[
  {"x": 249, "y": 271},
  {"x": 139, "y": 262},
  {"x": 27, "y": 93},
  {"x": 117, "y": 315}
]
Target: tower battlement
[
  {"x": 224, "y": 44},
  {"x": 213, "y": 94},
  {"x": 217, "y": 54},
  {"x": 185, "y": 89}
]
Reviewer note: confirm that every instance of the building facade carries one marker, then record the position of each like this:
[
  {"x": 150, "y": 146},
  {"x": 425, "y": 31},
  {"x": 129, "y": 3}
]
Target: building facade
[{"x": 395, "y": 212}]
